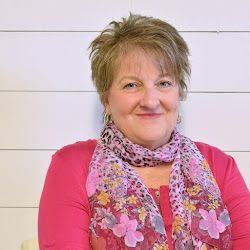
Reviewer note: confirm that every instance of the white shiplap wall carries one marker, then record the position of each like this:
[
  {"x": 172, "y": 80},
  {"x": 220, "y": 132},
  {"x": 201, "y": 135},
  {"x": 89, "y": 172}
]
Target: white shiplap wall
[{"x": 47, "y": 99}]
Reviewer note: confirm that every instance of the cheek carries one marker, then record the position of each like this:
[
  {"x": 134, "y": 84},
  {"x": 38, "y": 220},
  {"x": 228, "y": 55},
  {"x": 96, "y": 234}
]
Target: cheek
[
  {"x": 117, "y": 105},
  {"x": 122, "y": 104},
  {"x": 172, "y": 104}
]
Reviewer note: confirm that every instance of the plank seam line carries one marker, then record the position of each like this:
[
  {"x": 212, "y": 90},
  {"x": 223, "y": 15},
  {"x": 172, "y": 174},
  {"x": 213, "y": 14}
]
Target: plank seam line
[
  {"x": 47, "y": 91},
  {"x": 16, "y": 207},
  {"x": 93, "y": 91},
  {"x": 97, "y": 31}
]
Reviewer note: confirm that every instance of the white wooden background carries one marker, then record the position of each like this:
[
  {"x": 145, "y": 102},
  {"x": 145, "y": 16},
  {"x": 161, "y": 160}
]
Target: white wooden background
[{"x": 47, "y": 99}]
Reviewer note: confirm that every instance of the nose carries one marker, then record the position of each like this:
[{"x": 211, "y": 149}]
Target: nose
[{"x": 150, "y": 99}]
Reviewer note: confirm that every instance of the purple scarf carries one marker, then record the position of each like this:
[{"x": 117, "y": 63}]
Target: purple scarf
[{"x": 125, "y": 215}]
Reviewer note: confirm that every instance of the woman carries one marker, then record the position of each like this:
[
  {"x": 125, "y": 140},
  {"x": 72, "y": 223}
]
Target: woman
[{"x": 142, "y": 185}]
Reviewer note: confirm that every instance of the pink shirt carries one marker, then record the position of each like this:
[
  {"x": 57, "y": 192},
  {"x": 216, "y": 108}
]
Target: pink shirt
[{"x": 64, "y": 213}]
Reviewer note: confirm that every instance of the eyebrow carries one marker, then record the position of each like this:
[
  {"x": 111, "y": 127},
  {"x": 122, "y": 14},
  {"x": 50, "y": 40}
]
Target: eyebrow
[
  {"x": 129, "y": 78},
  {"x": 138, "y": 79}
]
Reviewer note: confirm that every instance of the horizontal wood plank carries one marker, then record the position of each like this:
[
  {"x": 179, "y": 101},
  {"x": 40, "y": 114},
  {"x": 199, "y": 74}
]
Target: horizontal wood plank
[
  {"x": 60, "y": 15},
  {"x": 218, "y": 119},
  {"x": 17, "y": 225},
  {"x": 198, "y": 15},
  {"x": 45, "y": 61},
  {"x": 94, "y": 15},
  {"x": 59, "y": 61},
  {"x": 219, "y": 61},
  {"x": 22, "y": 176},
  {"x": 50, "y": 120}
]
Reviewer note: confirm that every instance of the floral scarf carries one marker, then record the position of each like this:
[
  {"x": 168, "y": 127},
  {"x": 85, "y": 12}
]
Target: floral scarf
[{"x": 125, "y": 215}]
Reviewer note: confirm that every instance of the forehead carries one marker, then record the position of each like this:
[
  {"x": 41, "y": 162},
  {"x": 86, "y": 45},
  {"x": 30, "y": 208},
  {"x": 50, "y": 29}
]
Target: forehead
[{"x": 138, "y": 59}]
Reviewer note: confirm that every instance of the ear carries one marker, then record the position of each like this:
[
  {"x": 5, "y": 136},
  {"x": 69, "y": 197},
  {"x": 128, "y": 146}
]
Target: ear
[{"x": 106, "y": 104}]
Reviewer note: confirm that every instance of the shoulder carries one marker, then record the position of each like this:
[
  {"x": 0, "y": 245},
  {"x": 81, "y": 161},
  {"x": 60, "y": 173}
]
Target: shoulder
[
  {"x": 78, "y": 150},
  {"x": 73, "y": 158},
  {"x": 212, "y": 153},
  {"x": 222, "y": 165},
  {"x": 217, "y": 159}
]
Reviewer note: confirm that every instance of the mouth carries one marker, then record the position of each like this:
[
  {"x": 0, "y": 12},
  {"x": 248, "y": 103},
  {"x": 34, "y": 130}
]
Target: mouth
[{"x": 149, "y": 115}]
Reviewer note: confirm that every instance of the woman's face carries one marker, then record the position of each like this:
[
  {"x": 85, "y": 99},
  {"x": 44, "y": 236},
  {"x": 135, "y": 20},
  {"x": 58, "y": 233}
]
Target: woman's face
[{"x": 143, "y": 101}]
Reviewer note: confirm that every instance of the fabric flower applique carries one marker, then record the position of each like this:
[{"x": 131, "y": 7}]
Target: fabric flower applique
[
  {"x": 214, "y": 204},
  {"x": 199, "y": 245},
  {"x": 95, "y": 219},
  {"x": 127, "y": 229},
  {"x": 118, "y": 170},
  {"x": 103, "y": 198},
  {"x": 196, "y": 242},
  {"x": 189, "y": 205},
  {"x": 112, "y": 184},
  {"x": 103, "y": 224},
  {"x": 205, "y": 165},
  {"x": 142, "y": 213},
  {"x": 212, "y": 189},
  {"x": 211, "y": 224},
  {"x": 108, "y": 220},
  {"x": 192, "y": 191},
  {"x": 132, "y": 199},
  {"x": 158, "y": 224},
  {"x": 120, "y": 204},
  {"x": 162, "y": 246},
  {"x": 177, "y": 223},
  {"x": 224, "y": 218}
]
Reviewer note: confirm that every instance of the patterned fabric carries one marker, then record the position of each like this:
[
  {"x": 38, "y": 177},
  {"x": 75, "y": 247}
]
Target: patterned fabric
[{"x": 124, "y": 214}]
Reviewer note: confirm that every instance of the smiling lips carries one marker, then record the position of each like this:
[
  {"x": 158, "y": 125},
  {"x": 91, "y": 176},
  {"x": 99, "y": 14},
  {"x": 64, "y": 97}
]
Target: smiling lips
[{"x": 150, "y": 115}]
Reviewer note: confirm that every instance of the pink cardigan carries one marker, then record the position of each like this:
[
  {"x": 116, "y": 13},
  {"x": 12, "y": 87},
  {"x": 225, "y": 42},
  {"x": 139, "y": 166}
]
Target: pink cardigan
[{"x": 64, "y": 213}]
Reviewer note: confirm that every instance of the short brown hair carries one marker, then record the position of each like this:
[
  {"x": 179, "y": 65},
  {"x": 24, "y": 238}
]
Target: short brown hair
[{"x": 148, "y": 33}]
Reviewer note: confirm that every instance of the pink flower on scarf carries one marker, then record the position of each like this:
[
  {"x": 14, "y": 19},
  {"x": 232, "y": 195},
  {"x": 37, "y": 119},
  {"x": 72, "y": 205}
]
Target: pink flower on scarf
[
  {"x": 194, "y": 169},
  {"x": 211, "y": 224},
  {"x": 92, "y": 182},
  {"x": 127, "y": 228}
]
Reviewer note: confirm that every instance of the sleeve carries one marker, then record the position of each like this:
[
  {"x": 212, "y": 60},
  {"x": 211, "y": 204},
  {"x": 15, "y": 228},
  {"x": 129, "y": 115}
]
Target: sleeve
[
  {"x": 234, "y": 191},
  {"x": 237, "y": 199},
  {"x": 64, "y": 214}
]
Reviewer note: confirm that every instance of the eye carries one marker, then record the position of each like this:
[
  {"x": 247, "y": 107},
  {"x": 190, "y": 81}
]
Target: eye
[
  {"x": 165, "y": 84},
  {"x": 130, "y": 85}
]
